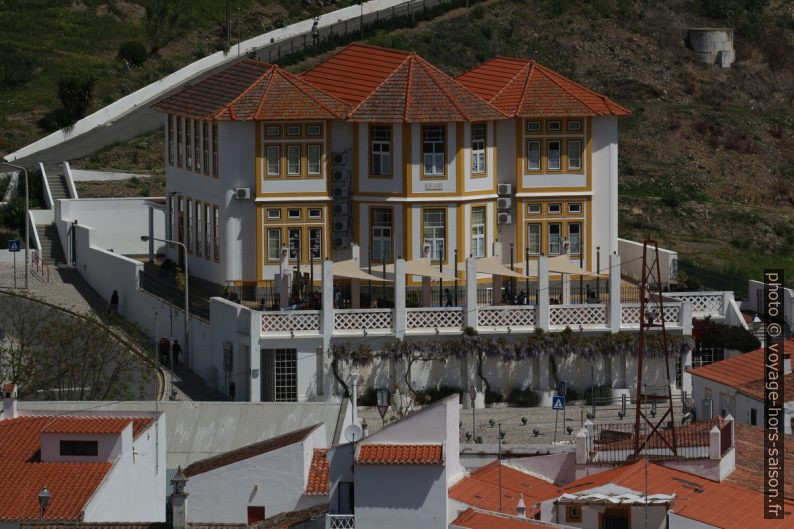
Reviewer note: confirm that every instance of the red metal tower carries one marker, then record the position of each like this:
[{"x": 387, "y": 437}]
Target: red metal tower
[{"x": 652, "y": 317}]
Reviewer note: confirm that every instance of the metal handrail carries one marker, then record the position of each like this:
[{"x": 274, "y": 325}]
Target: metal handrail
[{"x": 40, "y": 269}]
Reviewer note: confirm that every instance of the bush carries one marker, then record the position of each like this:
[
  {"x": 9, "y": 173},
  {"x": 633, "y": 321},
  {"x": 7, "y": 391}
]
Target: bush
[
  {"x": 431, "y": 395},
  {"x": 526, "y": 398},
  {"x": 133, "y": 52},
  {"x": 493, "y": 397},
  {"x": 368, "y": 397},
  {"x": 603, "y": 395},
  {"x": 572, "y": 394}
]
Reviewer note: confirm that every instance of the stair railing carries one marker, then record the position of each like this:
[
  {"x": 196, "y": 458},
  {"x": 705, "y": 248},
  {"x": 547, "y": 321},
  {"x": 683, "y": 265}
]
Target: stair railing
[{"x": 40, "y": 270}]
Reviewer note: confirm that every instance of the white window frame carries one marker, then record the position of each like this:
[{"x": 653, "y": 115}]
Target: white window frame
[
  {"x": 316, "y": 242},
  {"x": 314, "y": 213},
  {"x": 293, "y": 131},
  {"x": 575, "y": 207},
  {"x": 578, "y": 151},
  {"x": 478, "y": 142},
  {"x": 478, "y": 231},
  {"x": 291, "y": 149},
  {"x": 575, "y": 243},
  {"x": 534, "y": 230},
  {"x": 382, "y": 235},
  {"x": 294, "y": 252},
  {"x": 434, "y": 147},
  {"x": 534, "y": 164},
  {"x": 293, "y": 213},
  {"x": 273, "y": 253},
  {"x": 553, "y": 126},
  {"x": 558, "y": 165},
  {"x": 380, "y": 150},
  {"x": 555, "y": 239},
  {"x": 271, "y": 150},
  {"x": 534, "y": 209},
  {"x": 273, "y": 214},
  {"x": 314, "y": 157},
  {"x": 555, "y": 209},
  {"x": 435, "y": 234}
]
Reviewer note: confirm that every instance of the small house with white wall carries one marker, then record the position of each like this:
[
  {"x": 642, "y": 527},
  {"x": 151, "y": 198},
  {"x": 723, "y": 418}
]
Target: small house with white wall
[
  {"x": 735, "y": 386},
  {"x": 90, "y": 466}
]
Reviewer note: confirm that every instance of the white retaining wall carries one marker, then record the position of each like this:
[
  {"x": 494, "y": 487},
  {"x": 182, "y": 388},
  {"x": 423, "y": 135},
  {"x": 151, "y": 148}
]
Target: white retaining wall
[{"x": 631, "y": 257}]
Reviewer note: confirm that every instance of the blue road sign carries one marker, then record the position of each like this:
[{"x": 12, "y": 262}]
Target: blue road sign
[
  {"x": 558, "y": 402},
  {"x": 14, "y": 245}
]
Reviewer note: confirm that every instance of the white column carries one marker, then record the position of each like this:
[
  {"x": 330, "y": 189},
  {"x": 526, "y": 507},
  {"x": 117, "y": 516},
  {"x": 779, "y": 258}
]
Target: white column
[
  {"x": 399, "y": 298},
  {"x": 686, "y": 318},
  {"x": 255, "y": 358},
  {"x": 614, "y": 292},
  {"x": 542, "y": 308},
  {"x": 496, "y": 281},
  {"x": 714, "y": 444},
  {"x": 285, "y": 276},
  {"x": 727, "y": 296},
  {"x": 327, "y": 312},
  {"x": 566, "y": 289},
  {"x": 471, "y": 309},
  {"x": 355, "y": 284},
  {"x": 581, "y": 446}
]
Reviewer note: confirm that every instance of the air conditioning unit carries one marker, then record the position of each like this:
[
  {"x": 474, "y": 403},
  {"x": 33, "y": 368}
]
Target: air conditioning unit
[
  {"x": 342, "y": 175},
  {"x": 340, "y": 190},
  {"x": 504, "y": 190},
  {"x": 242, "y": 193},
  {"x": 503, "y": 203},
  {"x": 341, "y": 158},
  {"x": 341, "y": 241},
  {"x": 342, "y": 218},
  {"x": 340, "y": 209},
  {"x": 504, "y": 218},
  {"x": 340, "y": 225}
]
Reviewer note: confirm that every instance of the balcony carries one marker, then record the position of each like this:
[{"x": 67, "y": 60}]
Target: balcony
[{"x": 340, "y": 521}]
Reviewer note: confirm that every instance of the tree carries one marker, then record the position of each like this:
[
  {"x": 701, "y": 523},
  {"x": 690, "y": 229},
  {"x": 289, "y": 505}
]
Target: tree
[{"x": 161, "y": 21}]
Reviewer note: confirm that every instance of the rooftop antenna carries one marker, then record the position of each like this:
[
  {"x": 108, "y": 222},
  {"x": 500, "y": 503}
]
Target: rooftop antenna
[{"x": 652, "y": 316}]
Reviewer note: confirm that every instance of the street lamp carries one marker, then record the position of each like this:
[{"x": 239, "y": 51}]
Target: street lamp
[
  {"x": 145, "y": 238},
  {"x": 44, "y": 499},
  {"x": 27, "y": 219}
]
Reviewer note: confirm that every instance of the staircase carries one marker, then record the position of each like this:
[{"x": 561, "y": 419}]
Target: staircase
[
  {"x": 57, "y": 183},
  {"x": 50, "y": 251}
]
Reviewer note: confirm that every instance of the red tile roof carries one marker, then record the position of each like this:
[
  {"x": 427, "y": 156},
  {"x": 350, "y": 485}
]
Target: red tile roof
[
  {"x": 525, "y": 88},
  {"x": 252, "y": 90},
  {"x": 481, "y": 488},
  {"x": 744, "y": 372},
  {"x": 96, "y": 425},
  {"x": 8, "y": 387},
  {"x": 719, "y": 504},
  {"x": 352, "y": 74},
  {"x": 247, "y": 452},
  {"x": 71, "y": 484},
  {"x": 317, "y": 483},
  {"x": 400, "y": 454},
  {"x": 471, "y": 519},
  {"x": 749, "y": 466}
]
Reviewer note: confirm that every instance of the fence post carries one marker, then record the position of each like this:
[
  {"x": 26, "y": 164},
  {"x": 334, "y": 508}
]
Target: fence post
[
  {"x": 399, "y": 299},
  {"x": 714, "y": 444},
  {"x": 472, "y": 309},
  {"x": 614, "y": 292},
  {"x": 686, "y": 318},
  {"x": 581, "y": 447},
  {"x": 542, "y": 309},
  {"x": 327, "y": 314}
]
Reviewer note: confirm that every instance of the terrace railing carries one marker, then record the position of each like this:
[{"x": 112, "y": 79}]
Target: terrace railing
[
  {"x": 614, "y": 443},
  {"x": 434, "y": 318},
  {"x": 291, "y": 321},
  {"x": 506, "y": 316},
  {"x": 711, "y": 303},
  {"x": 363, "y": 319},
  {"x": 567, "y": 315}
]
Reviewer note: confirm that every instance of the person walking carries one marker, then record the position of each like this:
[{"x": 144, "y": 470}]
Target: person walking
[
  {"x": 176, "y": 350},
  {"x": 114, "y": 302},
  {"x": 450, "y": 301}
]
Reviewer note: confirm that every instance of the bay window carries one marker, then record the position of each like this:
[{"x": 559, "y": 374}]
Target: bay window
[
  {"x": 434, "y": 232},
  {"x": 478, "y": 231},
  {"x": 380, "y": 151},
  {"x": 433, "y": 148}
]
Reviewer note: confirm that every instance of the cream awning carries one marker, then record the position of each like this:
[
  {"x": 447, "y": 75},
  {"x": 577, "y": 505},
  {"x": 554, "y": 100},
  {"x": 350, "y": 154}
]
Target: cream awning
[
  {"x": 493, "y": 266},
  {"x": 421, "y": 267},
  {"x": 563, "y": 265},
  {"x": 350, "y": 269}
]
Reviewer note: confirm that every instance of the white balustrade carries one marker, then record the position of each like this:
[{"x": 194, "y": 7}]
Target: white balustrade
[
  {"x": 360, "y": 319},
  {"x": 578, "y": 314},
  {"x": 630, "y": 314},
  {"x": 509, "y": 316},
  {"x": 702, "y": 302},
  {"x": 340, "y": 521},
  {"x": 291, "y": 320},
  {"x": 432, "y": 318}
]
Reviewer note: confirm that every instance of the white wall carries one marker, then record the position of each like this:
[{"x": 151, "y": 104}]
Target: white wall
[
  {"x": 241, "y": 327},
  {"x": 109, "y": 446},
  {"x": 140, "y": 469},
  {"x": 631, "y": 257},
  {"x": 275, "y": 480},
  {"x": 605, "y": 186}
]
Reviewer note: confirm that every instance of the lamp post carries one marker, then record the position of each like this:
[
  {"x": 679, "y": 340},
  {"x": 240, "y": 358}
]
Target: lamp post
[
  {"x": 44, "y": 499},
  {"x": 27, "y": 220},
  {"x": 145, "y": 238}
]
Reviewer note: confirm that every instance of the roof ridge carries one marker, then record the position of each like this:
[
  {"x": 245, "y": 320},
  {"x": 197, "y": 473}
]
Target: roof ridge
[
  {"x": 351, "y": 45},
  {"x": 408, "y": 82},
  {"x": 229, "y": 106},
  {"x": 552, "y": 76},
  {"x": 444, "y": 89},
  {"x": 264, "y": 96},
  {"x": 297, "y": 84},
  {"x": 392, "y": 74}
]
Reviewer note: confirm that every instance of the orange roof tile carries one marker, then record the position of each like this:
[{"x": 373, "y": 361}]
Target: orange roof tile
[
  {"x": 481, "y": 488},
  {"x": 71, "y": 484},
  {"x": 742, "y": 372},
  {"x": 8, "y": 387},
  {"x": 719, "y": 504},
  {"x": 400, "y": 454},
  {"x": 418, "y": 92},
  {"x": 471, "y": 519},
  {"x": 317, "y": 484},
  {"x": 526, "y": 88},
  {"x": 252, "y": 90},
  {"x": 749, "y": 474},
  {"x": 352, "y": 74},
  {"x": 96, "y": 425}
]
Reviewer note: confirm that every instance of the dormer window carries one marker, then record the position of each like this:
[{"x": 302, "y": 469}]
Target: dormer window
[{"x": 79, "y": 448}]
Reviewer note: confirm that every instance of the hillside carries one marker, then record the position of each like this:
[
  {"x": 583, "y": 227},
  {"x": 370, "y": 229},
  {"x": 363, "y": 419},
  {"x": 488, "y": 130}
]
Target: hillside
[{"x": 707, "y": 158}]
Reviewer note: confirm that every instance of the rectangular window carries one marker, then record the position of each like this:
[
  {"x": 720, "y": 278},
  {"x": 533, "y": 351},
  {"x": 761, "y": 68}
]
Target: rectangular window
[
  {"x": 293, "y": 160},
  {"x": 478, "y": 231},
  {"x": 575, "y": 208},
  {"x": 293, "y": 213},
  {"x": 256, "y": 513},
  {"x": 533, "y": 238},
  {"x": 215, "y": 149},
  {"x": 170, "y": 135},
  {"x": 435, "y": 232},
  {"x": 533, "y": 155},
  {"x": 313, "y": 157},
  {"x": 294, "y": 130},
  {"x": 180, "y": 228},
  {"x": 207, "y": 230},
  {"x": 555, "y": 238},
  {"x": 533, "y": 209},
  {"x": 555, "y": 209},
  {"x": 380, "y": 143},
  {"x": 273, "y": 131},
  {"x": 315, "y": 213},
  {"x": 574, "y": 238},
  {"x": 279, "y": 375},
  {"x": 573, "y": 513},
  {"x": 197, "y": 145},
  {"x": 433, "y": 148},
  {"x": 79, "y": 448},
  {"x": 273, "y": 244},
  {"x": 199, "y": 229},
  {"x": 188, "y": 143},
  {"x": 189, "y": 242},
  {"x": 313, "y": 131},
  {"x": 381, "y": 234},
  {"x": 574, "y": 155},
  {"x": 574, "y": 125},
  {"x": 179, "y": 147},
  {"x": 216, "y": 230},
  {"x": 274, "y": 214},
  {"x": 205, "y": 140},
  {"x": 478, "y": 148},
  {"x": 553, "y": 126},
  {"x": 273, "y": 155},
  {"x": 553, "y": 155},
  {"x": 316, "y": 243},
  {"x": 533, "y": 126},
  {"x": 294, "y": 237}
]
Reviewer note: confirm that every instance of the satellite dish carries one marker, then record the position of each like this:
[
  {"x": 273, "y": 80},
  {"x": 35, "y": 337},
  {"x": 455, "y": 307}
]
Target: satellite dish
[{"x": 353, "y": 433}]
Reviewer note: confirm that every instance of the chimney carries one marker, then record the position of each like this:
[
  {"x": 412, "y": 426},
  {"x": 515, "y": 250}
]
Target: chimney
[
  {"x": 521, "y": 508},
  {"x": 179, "y": 500},
  {"x": 9, "y": 400}
]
